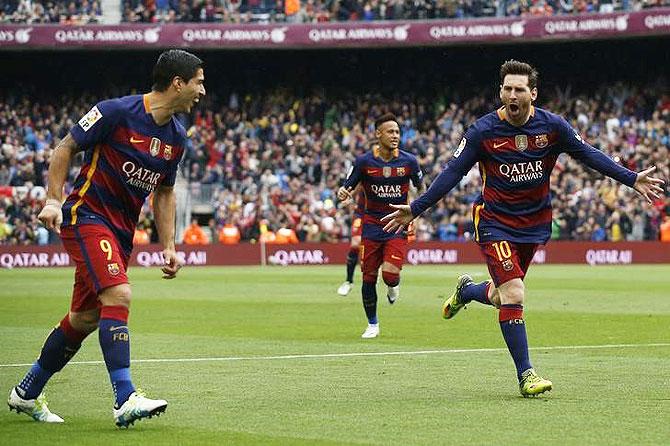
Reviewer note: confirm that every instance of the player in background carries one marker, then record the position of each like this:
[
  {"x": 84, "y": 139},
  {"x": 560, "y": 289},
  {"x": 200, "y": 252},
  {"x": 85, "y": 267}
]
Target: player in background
[
  {"x": 358, "y": 199},
  {"x": 516, "y": 147},
  {"x": 385, "y": 173},
  {"x": 132, "y": 146}
]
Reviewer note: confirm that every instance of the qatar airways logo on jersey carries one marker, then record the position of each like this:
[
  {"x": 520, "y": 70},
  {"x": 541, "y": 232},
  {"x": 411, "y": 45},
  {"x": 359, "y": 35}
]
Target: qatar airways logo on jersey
[
  {"x": 387, "y": 190},
  {"x": 140, "y": 177},
  {"x": 520, "y": 172}
]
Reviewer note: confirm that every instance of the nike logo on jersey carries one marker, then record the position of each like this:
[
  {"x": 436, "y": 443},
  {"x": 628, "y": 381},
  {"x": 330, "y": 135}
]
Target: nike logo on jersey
[
  {"x": 371, "y": 171},
  {"x": 113, "y": 328},
  {"x": 497, "y": 145},
  {"x": 133, "y": 140},
  {"x": 395, "y": 257}
]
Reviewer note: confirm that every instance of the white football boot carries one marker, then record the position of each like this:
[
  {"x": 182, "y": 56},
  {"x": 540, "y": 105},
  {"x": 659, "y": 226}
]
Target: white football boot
[
  {"x": 37, "y": 408},
  {"x": 344, "y": 289},
  {"x": 372, "y": 331},
  {"x": 137, "y": 407}
]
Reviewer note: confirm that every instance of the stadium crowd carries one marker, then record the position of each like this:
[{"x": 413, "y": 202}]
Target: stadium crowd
[
  {"x": 66, "y": 12},
  {"x": 78, "y": 12},
  {"x": 269, "y": 165},
  {"x": 297, "y": 11}
]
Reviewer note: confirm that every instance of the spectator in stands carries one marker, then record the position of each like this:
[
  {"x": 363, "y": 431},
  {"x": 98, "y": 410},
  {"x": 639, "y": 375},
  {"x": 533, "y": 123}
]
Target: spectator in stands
[
  {"x": 22, "y": 234},
  {"x": 40, "y": 232},
  {"x": 194, "y": 234},
  {"x": 292, "y": 11},
  {"x": 141, "y": 236},
  {"x": 614, "y": 231},
  {"x": 5, "y": 229},
  {"x": 229, "y": 234},
  {"x": 266, "y": 234},
  {"x": 285, "y": 236},
  {"x": 212, "y": 231},
  {"x": 665, "y": 229}
]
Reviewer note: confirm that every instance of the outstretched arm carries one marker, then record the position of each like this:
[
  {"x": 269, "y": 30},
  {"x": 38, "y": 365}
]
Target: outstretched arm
[
  {"x": 647, "y": 186},
  {"x": 464, "y": 158}
]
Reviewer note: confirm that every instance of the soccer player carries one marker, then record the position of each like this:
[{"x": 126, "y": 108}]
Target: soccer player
[
  {"x": 354, "y": 247},
  {"x": 132, "y": 146},
  {"x": 516, "y": 147},
  {"x": 385, "y": 173}
]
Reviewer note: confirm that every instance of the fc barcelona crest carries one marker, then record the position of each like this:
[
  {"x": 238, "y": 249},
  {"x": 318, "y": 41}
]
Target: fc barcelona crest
[
  {"x": 507, "y": 265},
  {"x": 400, "y": 171},
  {"x": 155, "y": 146},
  {"x": 386, "y": 171},
  {"x": 521, "y": 142},
  {"x": 113, "y": 269},
  {"x": 167, "y": 152},
  {"x": 541, "y": 141}
]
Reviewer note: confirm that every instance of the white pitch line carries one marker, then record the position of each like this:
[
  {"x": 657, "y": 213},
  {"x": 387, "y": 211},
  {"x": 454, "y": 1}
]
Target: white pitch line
[{"x": 357, "y": 354}]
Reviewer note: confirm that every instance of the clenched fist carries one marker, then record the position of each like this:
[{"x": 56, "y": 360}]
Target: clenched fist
[{"x": 51, "y": 215}]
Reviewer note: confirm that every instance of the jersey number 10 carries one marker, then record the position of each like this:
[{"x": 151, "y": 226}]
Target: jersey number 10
[{"x": 503, "y": 250}]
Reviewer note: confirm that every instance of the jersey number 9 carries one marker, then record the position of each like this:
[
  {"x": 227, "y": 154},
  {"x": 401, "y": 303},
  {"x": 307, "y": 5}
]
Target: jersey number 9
[{"x": 106, "y": 248}]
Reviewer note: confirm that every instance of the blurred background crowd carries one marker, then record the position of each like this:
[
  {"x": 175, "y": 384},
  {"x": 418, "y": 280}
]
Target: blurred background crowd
[
  {"x": 310, "y": 11},
  {"x": 69, "y": 12},
  {"x": 298, "y": 11},
  {"x": 266, "y": 165}
]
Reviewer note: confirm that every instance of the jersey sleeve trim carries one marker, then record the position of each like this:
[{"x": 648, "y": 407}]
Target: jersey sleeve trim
[{"x": 87, "y": 183}]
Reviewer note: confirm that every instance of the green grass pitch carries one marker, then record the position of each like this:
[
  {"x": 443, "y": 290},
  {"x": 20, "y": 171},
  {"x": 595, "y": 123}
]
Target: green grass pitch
[{"x": 277, "y": 360}]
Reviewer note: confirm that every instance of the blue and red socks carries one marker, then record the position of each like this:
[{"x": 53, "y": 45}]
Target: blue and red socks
[
  {"x": 60, "y": 346},
  {"x": 352, "y": 260},
  {"x": 476, "y": 291},
  {"x": 369, "y": 292},
  {"x": 514, "y": 331},
  {"x": 115, "y": 345}
]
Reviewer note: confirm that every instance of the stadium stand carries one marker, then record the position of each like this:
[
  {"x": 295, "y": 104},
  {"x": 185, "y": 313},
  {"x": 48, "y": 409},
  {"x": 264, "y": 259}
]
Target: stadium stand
[
  {"x": 266, "y": 162},
  {"x": 295, "y": 11},
  {"x": 79, "y": 12},
  {"x": 70, "y": 12}
]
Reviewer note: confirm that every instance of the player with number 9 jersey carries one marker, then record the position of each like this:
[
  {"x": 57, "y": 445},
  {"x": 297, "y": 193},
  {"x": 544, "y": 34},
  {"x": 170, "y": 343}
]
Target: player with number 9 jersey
[
  {"x": 126, "y": 157},
  {"x": 132, "y": 147}
]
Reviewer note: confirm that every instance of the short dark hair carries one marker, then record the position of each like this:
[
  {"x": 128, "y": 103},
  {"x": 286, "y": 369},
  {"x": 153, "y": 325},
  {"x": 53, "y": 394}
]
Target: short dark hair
[
  {"x": 386, "y": 117},
  {"x": 173, "y": 63},
  {"x": 521, "y": 68}
]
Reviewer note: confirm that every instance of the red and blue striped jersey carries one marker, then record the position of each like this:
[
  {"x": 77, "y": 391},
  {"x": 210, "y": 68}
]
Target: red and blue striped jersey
[
  {"x": 384, "y": 183},
  {"x": 515, "y": 164},
  {"x": 126, "y": 156}
]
